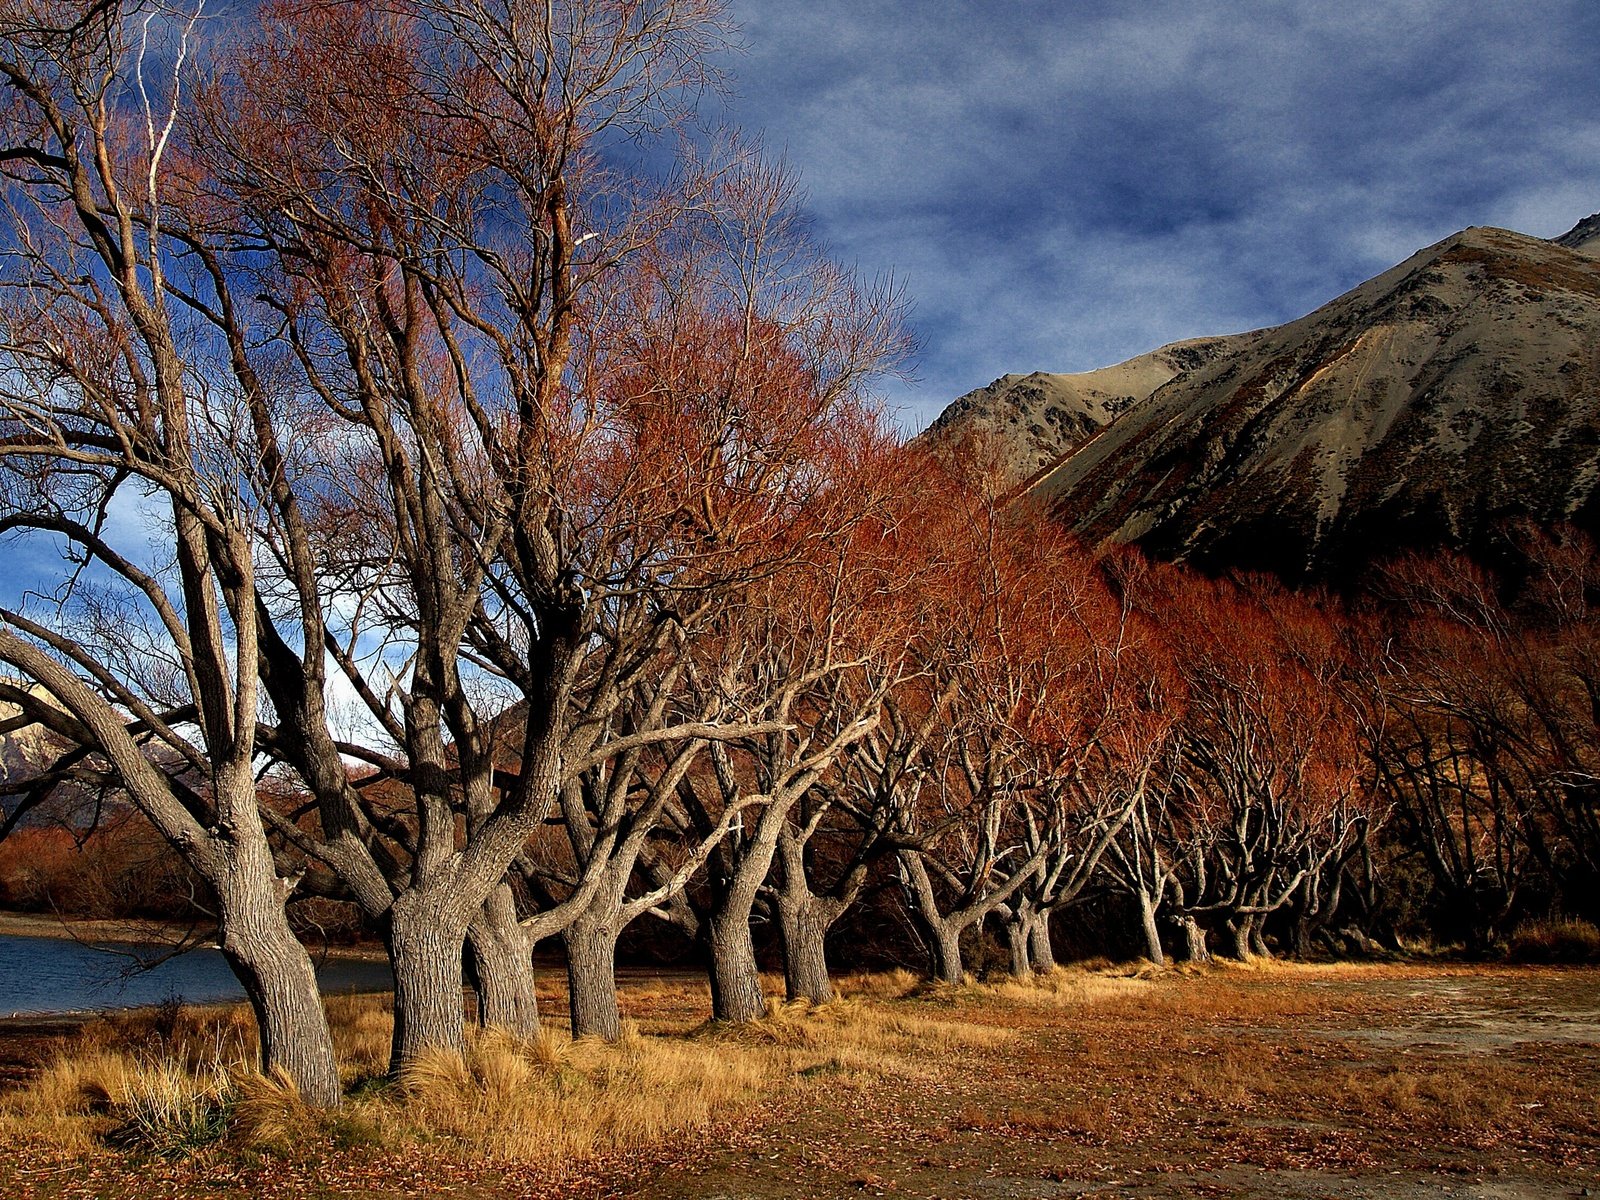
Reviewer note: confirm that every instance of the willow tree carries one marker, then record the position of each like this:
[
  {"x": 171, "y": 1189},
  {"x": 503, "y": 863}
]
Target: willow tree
[
  {"x": 359, "y": 346},
  {"x": 550, "y": 414},
  {"x": 112, "y": 415}
]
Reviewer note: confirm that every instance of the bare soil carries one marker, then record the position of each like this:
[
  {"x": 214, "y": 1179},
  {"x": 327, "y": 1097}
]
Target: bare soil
[
  {"x": 1334, "y": 1082},
  {"x": 1371, "y": 1082}
]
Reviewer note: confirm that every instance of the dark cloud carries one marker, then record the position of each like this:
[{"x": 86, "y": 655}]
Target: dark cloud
[{"x": 1066, "y": 184}]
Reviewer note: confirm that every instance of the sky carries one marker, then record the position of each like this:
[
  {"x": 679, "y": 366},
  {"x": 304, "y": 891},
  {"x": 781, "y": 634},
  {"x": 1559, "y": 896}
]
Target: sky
[{"x": 1064, "y": 185}]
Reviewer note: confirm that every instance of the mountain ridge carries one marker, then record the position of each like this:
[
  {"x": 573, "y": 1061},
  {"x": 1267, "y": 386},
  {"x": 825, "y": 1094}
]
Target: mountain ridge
[{"x": 1449, "y": 395}]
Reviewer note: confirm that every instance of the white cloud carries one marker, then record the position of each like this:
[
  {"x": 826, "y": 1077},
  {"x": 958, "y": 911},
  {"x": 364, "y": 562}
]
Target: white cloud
[{"x": 1065, "y": 184}]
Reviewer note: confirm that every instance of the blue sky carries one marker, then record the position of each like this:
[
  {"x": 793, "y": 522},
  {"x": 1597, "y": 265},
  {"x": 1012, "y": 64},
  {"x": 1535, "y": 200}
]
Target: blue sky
[
  {"x": 1062, "y": 185},
  {"x": 1065, "y": 185}
]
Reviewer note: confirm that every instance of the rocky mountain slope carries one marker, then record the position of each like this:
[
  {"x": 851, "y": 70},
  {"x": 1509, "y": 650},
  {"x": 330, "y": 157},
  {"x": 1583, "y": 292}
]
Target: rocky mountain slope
[
  {"x": 1029, "y": 422},
  {"x": 1430, "y": 406}
]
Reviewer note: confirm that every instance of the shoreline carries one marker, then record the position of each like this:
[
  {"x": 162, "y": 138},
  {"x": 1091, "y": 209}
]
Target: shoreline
[
  {"x": 141, "y": 931},
  {"x": 96, "y": 929}
]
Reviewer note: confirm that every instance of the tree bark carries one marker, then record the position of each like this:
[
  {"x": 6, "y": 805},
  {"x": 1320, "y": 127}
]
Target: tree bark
[
  {"x": 281, "y": 985},
  {"x": 1040, "y": 948},
  {"x": 425, "y": 952},
  {"x": 803, "y": 923},
  {"x": 735, "y": 980},
  {"x": 1239, "y": 938},
  {"x": 503, "y": 957},
  {"x": 592, "y": 978},
  {"x": 944, "y": 952},
  {"x": 1258, "y": 936},
  {"x": 1194, "y": 941},
  {"x": 1152, "y": 932},
  {"x": 1017, "y": 937},
  {"x": 1301, "y": 935},
  {"x": 941, "y": 935}
]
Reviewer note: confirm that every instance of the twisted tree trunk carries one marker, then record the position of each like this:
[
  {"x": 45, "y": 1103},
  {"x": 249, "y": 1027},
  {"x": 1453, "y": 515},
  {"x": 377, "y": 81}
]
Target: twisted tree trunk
[
  {"x": 1194, "y": 940},
  {"x": 735, "y": 979},
  {"x": 1239, "y": 938},
  {"x": 503, "y": 956},
  {"x": 426, "y": 943},
  {"x": 1152, "y": 932},
  {"x": 944, "y": 952},
  {"x": 1258, "y": 936},
  {"x": 278, "y": 979},
  {"x": 591, "y": 943},
  {"x": 803, "y": 923},
  {"x": 1040, "y": 948},
  {"x": 1018, "y": 936}
]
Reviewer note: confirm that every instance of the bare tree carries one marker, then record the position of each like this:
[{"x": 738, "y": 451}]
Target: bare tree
[
  {"x": 570, "y": 412},
  {"x": 109, "y": 402},
  {"x": 1274, "y": 786}
]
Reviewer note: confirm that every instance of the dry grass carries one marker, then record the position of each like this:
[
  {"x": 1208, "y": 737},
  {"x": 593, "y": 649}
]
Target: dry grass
[
  {"x": 1555, "y": 941},
  {"x": 879, "y": 985},
  {"x": 1086, "y": 1073},
  {"x": 1441, "y": 1098},
  {"x": 1073, "y": 987},
  {"x": 554, "y": 1100},
  {"x": 176, "y": 1083},
  {"x": 155, "y": 1105}
]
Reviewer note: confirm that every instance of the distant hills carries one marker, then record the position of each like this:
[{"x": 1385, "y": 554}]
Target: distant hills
[{"x": 1428, "y": 407}]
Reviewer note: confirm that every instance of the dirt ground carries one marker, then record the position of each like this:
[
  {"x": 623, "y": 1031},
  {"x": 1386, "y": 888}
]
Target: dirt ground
[
  {"x": 1373, "y": 1082},
  {"x": 1302, "y": 1082}
]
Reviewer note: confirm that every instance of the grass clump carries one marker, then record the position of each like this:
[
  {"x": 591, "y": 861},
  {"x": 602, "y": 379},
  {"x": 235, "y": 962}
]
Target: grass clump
[
  {"x": 155, "y": 1106},
  {"x": 551, "y": 1099},
  {"x": 168, "y": 1111},
  {"x": 1555, "y": 940}
]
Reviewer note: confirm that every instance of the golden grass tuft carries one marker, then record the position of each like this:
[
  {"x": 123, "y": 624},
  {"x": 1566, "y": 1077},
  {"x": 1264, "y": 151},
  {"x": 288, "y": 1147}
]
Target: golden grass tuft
[
  {"x": 158, "y": 1106},
  {"x": 1076, "y": 986},
  {"x": 268, "y": 1113},
  {"x": 880, "y": 985},
  {"x": 552, "y": 1100},
  {"x": 1555, "y": 940}
]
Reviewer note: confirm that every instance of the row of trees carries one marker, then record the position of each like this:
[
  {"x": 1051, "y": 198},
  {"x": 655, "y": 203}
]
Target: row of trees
[
  {"x": 1489, "y": 751},
  {"x": 430, "y": 409},
  {"x": 473, "y": 511}
]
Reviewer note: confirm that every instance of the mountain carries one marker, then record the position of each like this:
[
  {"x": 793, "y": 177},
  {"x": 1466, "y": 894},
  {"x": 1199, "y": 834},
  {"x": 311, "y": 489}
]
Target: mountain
[
  {"x": 1029, "y": 422},
  {"x": 1584, "y": 236},
  {"x": 25, "y": 749},
  {"x": 1428, "y": 407}
]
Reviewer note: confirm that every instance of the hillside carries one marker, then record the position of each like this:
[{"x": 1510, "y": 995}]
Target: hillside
[
  {"x": 1029, "y": 422},
  {"x": 1427, "y": 407}
]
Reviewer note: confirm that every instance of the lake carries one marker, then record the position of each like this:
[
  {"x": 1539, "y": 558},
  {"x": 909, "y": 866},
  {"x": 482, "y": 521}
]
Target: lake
[{"x": 57, "y": 975}]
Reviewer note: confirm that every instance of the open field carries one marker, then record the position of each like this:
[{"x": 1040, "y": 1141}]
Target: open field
[{"x": 1314, "y": 1081}]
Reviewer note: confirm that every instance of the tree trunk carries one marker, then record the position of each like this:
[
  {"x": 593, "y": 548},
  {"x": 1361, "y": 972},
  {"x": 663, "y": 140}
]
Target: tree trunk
[
  {"x": 1152, "y": 932},
  {"x": 1239, "y": 938},
  {"x": 1039, "y": 945},
  {"x": 803, "y": 922},
  {"x": 592, "y": 978},
  {"x": 279, "y": 980},
  {"x": 944, "y": 952},
  {"x": 942, "y": 937},
  {"x": 1258, "y": 936},
  {"x": 1017, "y": 946},
  {"x": 503, "y": 958},
  {"x": 735, "y": 981},
  {"x": 1194, "y": 941},
  {"x": 1302, "y": 934},
  {"x": 425, "y": 952}
]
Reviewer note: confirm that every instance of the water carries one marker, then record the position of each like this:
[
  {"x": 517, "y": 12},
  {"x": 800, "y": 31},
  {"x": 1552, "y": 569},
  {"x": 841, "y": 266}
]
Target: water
[{"x": 58, "y": 975}]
